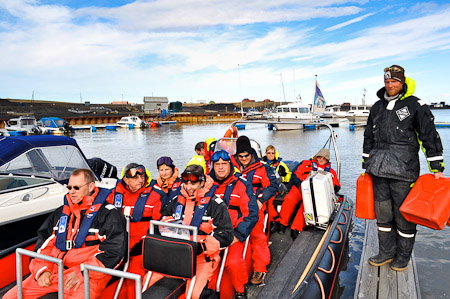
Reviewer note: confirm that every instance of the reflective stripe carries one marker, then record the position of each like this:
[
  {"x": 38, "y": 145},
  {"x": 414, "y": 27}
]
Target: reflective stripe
[
  {"x": 405, "y": 235},
  {"x": 384, "y": 229},
  {"x": 421, "y": 102},
  {"x": 127, "y": 211},
  {"x": 110, "y": 207},
  {"x": 437, "y": 158},
  {"x": 94, "y": 230},
  {"x": 365, "y": 155},
  {"x": 391, "y": 105}
]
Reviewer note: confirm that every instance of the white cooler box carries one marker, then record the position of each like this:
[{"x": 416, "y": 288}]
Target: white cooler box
[{"x": 318, "y": 198}]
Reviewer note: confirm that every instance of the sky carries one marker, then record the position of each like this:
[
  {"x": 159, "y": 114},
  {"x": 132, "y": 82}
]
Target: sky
[{"x": 223, "y": 51}]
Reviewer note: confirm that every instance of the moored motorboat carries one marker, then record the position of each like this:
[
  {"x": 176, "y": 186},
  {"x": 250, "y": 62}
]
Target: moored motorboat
[
  {"x": 293, "y": 116},
  {"x": 26, "y": 124},
  {"x": 55, "y": 125},
  {"x": 132, "y": 121}
]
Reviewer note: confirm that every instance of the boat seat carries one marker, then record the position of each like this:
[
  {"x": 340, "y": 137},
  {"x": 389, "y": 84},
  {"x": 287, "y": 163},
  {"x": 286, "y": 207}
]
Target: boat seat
[
  {"x": 176, "y": 258},
  {"x": 167, "y": 288}
]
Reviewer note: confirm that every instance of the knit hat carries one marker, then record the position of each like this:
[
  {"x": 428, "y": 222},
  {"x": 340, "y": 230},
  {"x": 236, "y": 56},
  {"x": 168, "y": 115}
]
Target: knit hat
[
  {"x": 395, "y": 72},
  {"x": 243, "y": 145},
  {"x": 323, "y": 153}
]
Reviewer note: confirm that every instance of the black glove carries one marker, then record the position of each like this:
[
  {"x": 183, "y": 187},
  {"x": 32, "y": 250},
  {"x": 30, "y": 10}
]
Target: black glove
[{"x": 282, "y": 171}]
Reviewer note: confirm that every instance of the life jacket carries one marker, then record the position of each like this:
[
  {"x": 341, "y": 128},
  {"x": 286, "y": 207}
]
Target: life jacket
[
  {"x": 139, "y": 206},
  {"x": 61, "y": 235},
  {"x": 249, "y": 173},
  {"x": 315, "y": 167},
  {"x": 199, "y": 210},
  {"x": 166, "y": 197}
]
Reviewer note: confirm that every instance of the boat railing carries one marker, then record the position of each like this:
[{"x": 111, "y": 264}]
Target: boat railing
[
  {"x": 58, "y": 262},
  {"x": 330, "y": 128},
  {"x": 112, "y": 272}
]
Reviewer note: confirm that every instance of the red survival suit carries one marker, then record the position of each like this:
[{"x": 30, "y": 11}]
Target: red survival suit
[
  {"x": 208, "y": 213},
  {"x": 299, "y": 174},
  {"x": 238, "y": 194},
  {"x": 144, "y": 205},
  {"x": 265, "y": 187},
  {"x": 76, "y": 238}
]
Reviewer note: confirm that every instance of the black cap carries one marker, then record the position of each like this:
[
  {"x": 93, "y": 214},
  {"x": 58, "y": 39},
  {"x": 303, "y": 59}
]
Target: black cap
[{"x": 243, "y": 145}]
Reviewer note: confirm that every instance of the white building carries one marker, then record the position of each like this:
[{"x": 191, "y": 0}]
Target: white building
[{"x": 155, "y": 104}]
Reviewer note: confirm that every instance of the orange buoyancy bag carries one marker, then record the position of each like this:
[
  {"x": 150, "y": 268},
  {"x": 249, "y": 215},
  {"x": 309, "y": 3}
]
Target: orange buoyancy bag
[
  {"x": 428, "y": 202},
  {"x": 364, "y": 197}
]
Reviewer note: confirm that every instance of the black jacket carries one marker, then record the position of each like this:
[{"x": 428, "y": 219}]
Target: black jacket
[{"x": 392, "y": 137}]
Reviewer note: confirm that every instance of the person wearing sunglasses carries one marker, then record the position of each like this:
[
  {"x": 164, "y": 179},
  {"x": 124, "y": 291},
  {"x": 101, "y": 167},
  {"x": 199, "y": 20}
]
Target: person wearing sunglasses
[
  {"x": 196, "y": 205},
  {"x": 238, "y": 194},
  {"x": 398, "y": 125},
  {"x": 294, "y": 196},
  {"x": 168, "y": 183},
  {"x": 275, "y": 161},
  {"x": 134, "y": 197},
  {"x": 283, "y": 175},
  {"x": 265, "y": 187},
  {"x": 86, "y": 229}
]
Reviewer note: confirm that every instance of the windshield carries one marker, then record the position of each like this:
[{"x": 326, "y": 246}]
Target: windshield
[
  {"x": 229, "y": 145},
  {"x": 51, "y": 162}
]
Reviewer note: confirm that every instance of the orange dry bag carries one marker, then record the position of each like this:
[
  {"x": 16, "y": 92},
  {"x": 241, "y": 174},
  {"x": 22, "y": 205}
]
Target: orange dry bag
[
  {"x": 428, "y": 202},
  {"x": 364, "y": 197}
]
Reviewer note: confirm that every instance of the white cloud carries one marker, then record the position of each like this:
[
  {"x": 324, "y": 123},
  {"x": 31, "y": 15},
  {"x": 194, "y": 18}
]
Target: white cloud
[
  {"x": 349, "y": 22},
  {"x": 172, "y": 48}
]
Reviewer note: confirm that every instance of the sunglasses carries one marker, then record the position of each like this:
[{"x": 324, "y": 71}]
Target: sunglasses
[
  {"x": 243, "y": 156},
  {"x": 164, "y": 160},
  {"x": 76, "y": 187},
  {"x": 393, "y": 69},
  {"x": 220, "y": 155},
  {"x": 270, "y": 153},
  {"x": 135, "y": 171},
  {"x": 191, "y": 177}
]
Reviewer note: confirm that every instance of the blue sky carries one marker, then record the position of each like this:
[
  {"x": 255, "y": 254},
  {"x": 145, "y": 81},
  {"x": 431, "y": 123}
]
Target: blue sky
[{"x": 222, "y": 51}]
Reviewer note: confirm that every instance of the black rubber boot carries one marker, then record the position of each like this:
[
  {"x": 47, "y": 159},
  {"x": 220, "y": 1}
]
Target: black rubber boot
[
  {"x": 281, "y": 228},
  {"x": 381, "y": 259},
  {"x": 274, "y": 227},
  {"x": 387, "y": 248},
  {"x": 241, "y": 295},
  {"x": 404, "y": 251}
]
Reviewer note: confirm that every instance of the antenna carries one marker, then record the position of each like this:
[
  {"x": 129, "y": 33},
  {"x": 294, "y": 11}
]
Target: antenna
[
  {"x": 364, "y": 97},
  {"x": 282, "y": 84}
]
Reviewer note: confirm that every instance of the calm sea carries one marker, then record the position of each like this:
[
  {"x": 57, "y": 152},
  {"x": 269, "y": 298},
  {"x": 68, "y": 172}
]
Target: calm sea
[{"x": 177, "y": 141}]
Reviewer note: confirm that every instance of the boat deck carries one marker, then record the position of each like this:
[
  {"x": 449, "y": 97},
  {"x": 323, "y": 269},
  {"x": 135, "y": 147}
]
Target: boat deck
[
  {"x": 281, "y": 283},
  {"x": 383, "y": 282}
]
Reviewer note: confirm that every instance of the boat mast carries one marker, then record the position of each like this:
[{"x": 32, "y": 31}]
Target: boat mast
[
  {"x": 282, "y": 84},
  {"x": 364, "y": 97}
]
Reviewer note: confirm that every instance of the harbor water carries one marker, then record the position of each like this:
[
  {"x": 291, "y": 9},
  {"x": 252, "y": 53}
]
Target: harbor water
[{"x": 177, "y": 141}]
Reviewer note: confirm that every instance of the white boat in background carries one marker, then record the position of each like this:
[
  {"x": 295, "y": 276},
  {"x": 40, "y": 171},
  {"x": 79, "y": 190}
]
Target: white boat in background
[
  {"x": 358, "y": 113},
  {"x": 131, "y": 121},
  {"x": 26, "y": 124},
  {"x": 253, "y": 113},
  {"x": 303, "y": 114},
  {"x": 334, "y": 112},
  {"x": 298, "y": 112}
]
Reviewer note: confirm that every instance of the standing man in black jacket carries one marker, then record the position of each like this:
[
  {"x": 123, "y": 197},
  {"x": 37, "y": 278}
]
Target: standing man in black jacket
[{"x": 398, "y": 124}]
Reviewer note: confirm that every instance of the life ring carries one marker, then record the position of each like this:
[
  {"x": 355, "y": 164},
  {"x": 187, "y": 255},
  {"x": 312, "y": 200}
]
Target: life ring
[{"x": 232, "y": 132}]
